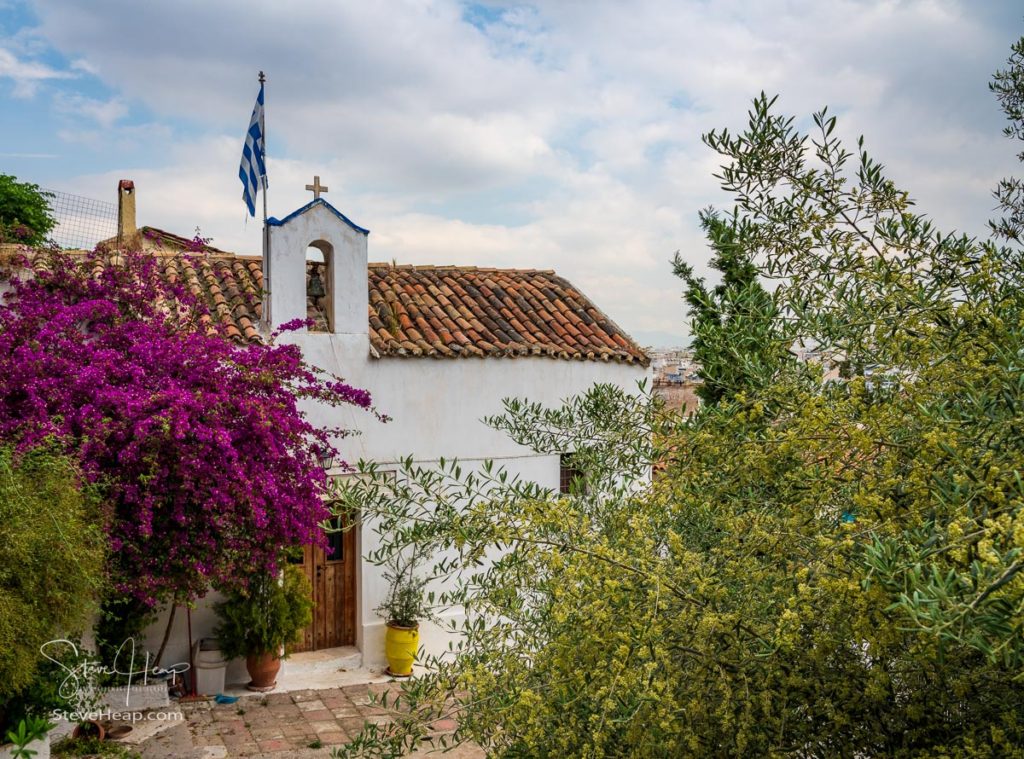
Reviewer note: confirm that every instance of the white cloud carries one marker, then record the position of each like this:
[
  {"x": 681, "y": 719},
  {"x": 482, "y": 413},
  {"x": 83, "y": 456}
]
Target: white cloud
[
  {"x": 104, "y": 113},
  {"x": 81, "y": 64},
  {"x": 561, "y": 135},
  {"x": 26, "y": 75},
  {"x": 46, "y": 156}
]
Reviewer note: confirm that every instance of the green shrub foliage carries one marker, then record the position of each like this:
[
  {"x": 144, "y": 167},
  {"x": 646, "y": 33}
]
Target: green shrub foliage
[
  {"x": 735, "y": 325},
  {"x": 408, "y": 602},
  {"x": 51, "y": 558},
  {"x": 25, "y": 215},
  {"x": 266, "y": 615}
]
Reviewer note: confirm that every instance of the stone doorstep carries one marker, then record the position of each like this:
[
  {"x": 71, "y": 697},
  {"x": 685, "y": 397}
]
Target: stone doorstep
[
  {"x": 312, "y": 671},
  {"x": 347, "y": 658}
]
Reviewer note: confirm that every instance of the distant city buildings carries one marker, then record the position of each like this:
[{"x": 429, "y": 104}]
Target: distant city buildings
[
  {"x": 675, "y": 378},
  {"x": 830, "y": 365},
  {"x": 677, "y": 374}
]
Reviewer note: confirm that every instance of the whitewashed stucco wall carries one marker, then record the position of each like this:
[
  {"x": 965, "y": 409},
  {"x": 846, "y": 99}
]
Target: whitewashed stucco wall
[{"x": 436, "y": 406}]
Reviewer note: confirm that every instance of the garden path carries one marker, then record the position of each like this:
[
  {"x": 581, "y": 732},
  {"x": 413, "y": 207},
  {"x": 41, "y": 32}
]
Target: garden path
[{"x": 305, "y": 723}]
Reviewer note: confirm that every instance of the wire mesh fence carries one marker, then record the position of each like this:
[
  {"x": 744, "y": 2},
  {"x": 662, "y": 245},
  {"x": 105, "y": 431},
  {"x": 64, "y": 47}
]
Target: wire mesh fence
[{"x": 81, "y": 222}]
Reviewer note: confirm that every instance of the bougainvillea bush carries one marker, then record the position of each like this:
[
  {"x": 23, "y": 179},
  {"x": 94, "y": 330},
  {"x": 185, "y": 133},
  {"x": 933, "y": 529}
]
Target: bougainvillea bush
[{"x": 207, "y": 464}]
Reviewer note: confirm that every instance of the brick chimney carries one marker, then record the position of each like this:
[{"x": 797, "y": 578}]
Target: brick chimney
[{"x": 126, "y": 229}]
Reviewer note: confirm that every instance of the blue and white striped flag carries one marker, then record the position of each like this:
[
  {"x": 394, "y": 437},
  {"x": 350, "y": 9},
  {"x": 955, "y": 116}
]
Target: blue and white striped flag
[{"x": 253, "y": 170}]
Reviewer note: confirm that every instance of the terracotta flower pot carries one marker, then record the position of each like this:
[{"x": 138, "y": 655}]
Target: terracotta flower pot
[
  {"x": 263, "y": 669},
  {"x": 91, "y": 728}
]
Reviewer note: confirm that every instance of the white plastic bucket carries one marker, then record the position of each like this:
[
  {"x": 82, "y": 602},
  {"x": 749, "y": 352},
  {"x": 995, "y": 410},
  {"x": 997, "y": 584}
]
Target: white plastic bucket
[{"x": 210, "y": 667}]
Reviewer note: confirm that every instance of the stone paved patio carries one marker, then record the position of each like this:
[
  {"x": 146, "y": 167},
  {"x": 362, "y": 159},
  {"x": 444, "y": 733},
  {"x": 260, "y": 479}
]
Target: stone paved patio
[{"x": 306, "y": 723}]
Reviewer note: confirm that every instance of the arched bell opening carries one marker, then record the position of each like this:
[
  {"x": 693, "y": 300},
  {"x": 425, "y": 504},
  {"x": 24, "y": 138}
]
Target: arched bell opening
[{"x": 319, "y": 279}]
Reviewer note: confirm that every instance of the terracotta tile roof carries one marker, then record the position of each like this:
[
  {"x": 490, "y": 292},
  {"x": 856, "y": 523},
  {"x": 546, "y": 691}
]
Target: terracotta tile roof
[
  {"x": 175, "y": 242},
  {"x": 229, "y": 285},
  {"x": 153, "y": 239},
  {"x": 436, "y": 311},
  {"x": 454, "y": 311}
]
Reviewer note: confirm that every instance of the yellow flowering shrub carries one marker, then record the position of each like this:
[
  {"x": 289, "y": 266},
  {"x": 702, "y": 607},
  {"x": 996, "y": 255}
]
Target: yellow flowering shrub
[{"x": 817, "y": 569}]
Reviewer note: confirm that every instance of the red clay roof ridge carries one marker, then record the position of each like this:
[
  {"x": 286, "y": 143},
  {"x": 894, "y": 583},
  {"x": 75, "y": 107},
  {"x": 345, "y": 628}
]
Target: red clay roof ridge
[{"x": 453, "y": 267}]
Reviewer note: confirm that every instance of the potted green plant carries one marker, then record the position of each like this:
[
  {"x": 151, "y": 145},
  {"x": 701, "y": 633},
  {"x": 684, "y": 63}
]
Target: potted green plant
[
  {"x": 406, "y": 604},
  {"x": 262, "y": 621},
  {"x": 29, "y": 739}
]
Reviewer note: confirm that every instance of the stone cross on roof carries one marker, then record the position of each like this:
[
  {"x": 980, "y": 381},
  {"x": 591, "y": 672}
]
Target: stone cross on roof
[{"x": 316, "y": 188}]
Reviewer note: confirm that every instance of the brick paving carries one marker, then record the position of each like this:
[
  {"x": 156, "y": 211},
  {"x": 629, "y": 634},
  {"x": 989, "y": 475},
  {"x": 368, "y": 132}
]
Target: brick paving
[{"x": 283, "y": 725}]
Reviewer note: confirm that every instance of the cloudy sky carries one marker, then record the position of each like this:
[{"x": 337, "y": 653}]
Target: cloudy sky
[{"x": 558, "y": 134}]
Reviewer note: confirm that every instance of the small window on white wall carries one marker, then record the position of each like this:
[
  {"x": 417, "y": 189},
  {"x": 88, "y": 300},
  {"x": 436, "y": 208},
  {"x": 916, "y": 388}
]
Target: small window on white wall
[{"x": 570, "y": 476}]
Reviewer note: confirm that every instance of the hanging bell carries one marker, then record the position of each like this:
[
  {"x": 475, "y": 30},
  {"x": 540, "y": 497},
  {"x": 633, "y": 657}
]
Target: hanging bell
[{"x": 315, "y": 288}]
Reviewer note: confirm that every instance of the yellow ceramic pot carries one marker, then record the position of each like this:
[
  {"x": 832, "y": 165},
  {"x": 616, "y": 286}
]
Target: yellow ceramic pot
[{"x": 400, "y": 644}]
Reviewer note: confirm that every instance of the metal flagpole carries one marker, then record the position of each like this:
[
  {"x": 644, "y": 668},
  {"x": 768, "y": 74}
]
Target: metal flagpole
[{"x": 266, "y": 229}]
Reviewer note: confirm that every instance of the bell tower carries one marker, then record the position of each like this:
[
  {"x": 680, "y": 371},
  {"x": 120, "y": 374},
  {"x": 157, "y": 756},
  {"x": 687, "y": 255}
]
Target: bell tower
[{"x": 318, "y": 257}]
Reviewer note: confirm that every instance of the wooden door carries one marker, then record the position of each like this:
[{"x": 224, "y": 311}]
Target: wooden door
[{"x": 332, "y": 574}]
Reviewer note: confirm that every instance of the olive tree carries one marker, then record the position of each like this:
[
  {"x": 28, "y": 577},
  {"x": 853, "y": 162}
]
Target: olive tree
[
  {"x": 817, "y": 568},
  {"x": 1008, "y": 87}
]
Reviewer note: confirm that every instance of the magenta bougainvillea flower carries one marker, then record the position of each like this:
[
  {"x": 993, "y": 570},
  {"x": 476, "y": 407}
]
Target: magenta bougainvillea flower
[{"x": 207, "y": 465}]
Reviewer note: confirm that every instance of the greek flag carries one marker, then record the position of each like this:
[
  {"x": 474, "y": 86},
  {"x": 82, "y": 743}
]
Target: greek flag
[{"x": 253, "y": 171}]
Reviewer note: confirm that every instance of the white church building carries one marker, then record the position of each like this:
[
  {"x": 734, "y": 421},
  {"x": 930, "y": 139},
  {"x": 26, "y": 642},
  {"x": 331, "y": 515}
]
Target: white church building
[{"x": 438, "y": 348}]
